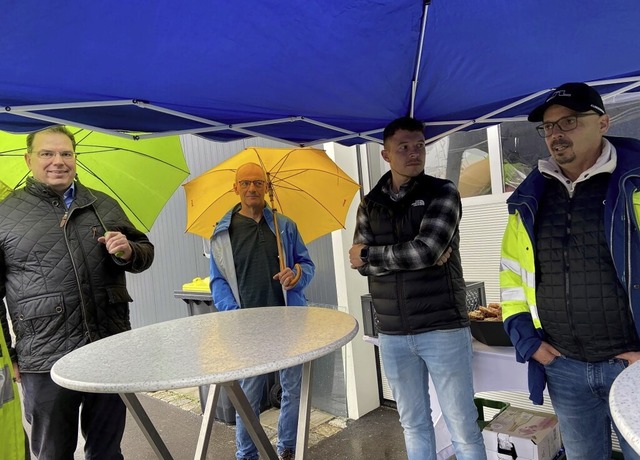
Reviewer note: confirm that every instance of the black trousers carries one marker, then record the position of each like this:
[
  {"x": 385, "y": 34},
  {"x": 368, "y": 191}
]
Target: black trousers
[{"x": 53, "y": 413}]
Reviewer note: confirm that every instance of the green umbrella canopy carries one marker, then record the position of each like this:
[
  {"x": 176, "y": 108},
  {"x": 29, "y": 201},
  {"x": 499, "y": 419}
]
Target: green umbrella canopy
[
  {"x": 4, "y": 190},
  {"x": 140, "y": 174}
]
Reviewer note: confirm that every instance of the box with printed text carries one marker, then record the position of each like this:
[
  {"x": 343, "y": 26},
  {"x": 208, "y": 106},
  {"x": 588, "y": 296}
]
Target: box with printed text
[{"x": 523, "y": 435}]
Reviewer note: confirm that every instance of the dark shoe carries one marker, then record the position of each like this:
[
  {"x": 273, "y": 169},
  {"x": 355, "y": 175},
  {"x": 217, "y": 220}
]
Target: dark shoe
[{"x": 287, "y": 454}]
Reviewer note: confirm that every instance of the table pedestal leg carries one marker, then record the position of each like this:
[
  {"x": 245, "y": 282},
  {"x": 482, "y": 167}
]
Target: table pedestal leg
[
  {"x": 145, "y": 424},
  {"x": 304, "y": 413},
  {"x": 207, "y": 422},
  {"x": 251, "y": 422}
]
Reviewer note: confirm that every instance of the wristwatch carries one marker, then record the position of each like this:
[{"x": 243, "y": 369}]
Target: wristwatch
[{"x": 364, "y": 254}]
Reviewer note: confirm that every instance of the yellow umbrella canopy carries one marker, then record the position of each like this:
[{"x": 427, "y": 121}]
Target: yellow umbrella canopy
[
  {"x": 308, "y": 187},
  {"x": 141, "y": 175}
]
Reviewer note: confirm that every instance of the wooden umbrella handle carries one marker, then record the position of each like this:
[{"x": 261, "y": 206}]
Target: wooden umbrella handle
[
  {"x": 296, "y": 278},
  {"x": 298, "y": 268}
]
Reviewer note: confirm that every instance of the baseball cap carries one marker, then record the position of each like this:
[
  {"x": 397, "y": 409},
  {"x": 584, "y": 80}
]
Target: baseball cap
[{"x": 576, "y": 96}]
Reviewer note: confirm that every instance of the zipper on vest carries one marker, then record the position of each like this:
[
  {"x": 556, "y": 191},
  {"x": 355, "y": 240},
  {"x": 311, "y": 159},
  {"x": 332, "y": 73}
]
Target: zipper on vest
[{"x": 64, "y": 219}]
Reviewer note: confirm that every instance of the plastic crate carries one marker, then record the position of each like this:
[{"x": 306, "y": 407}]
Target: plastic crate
[
  {"x": 484, "y": 418},
  {"x": 368, "y": 316},
  {"x": 475, "y": 295},
  {"x": 475, "y": 298}
]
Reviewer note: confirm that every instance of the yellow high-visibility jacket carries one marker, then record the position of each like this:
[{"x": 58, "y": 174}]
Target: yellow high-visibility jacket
[
  {"x": 12, "y": 437},
  {"x": 517, "y": 267}
]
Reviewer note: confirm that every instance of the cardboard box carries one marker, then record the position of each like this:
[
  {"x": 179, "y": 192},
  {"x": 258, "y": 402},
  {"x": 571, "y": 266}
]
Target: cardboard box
[{"x": 523, "y": 435}]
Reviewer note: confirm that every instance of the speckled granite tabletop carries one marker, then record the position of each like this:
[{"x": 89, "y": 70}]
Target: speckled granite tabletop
[
  {"x": 205, "y": 349},
  {"x": 624, "y": 401}
]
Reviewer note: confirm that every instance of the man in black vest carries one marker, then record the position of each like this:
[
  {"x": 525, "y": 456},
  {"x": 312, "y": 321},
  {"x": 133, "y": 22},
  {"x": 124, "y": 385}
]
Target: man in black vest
[
  {"x": 570, "y": 267},
  {"x": 406, "y": 242}
]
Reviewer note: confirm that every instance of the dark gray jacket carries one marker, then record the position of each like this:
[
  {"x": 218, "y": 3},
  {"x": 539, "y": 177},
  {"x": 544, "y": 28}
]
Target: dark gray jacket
[{"x": 61, "y": 287}]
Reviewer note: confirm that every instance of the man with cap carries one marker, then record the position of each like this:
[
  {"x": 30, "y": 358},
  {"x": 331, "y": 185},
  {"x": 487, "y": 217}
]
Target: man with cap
[{"x": 570, "y": 269}]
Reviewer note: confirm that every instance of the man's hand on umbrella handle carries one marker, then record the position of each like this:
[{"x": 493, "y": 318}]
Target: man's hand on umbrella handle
[
  {"x": 288, "y": 278},
  {"x": 117, "y": 244}
]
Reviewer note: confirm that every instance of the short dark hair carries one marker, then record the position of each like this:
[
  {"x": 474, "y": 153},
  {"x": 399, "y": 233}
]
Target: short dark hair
[
  {"x": 51, "y": 129},
  {"x": 402, "y": 123}
]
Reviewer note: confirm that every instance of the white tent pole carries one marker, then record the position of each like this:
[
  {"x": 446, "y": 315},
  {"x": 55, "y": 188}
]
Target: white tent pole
[
  {"x": 66, "y": 105},
  {"x": 60, "y": 121},
  {"x": 622, "y": 90},
  {"x": 414, "y": 83}
]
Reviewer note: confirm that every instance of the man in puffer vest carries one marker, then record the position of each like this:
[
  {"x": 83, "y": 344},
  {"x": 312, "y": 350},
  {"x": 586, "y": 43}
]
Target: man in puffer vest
[
  {"x": 407, "y": 243},
  {"x": 570, "y": 270}
]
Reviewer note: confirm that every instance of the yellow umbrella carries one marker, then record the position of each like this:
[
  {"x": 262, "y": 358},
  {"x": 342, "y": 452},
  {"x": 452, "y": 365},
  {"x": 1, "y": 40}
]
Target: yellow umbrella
[
  {"x": 475, "y": 179},
  {"x": 307, "y": 186}
]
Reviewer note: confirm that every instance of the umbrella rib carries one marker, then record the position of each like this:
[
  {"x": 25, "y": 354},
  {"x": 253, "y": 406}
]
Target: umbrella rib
[
  {"x": 295, "y": 188},
  {"x": 23, "y": 178},
  {"x": 142, "y": 154},
  {"x": 115, "y": 194},
  {"x": 297, "y": 172},
  {"x": 86, "y": 133},
  {"x": 215, "y": 201},
  {"x": 275, "y": 192}
]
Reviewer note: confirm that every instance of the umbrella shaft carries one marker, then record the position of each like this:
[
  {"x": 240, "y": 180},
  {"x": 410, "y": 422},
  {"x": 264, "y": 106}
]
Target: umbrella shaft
[{"x": 278, "y": 240}]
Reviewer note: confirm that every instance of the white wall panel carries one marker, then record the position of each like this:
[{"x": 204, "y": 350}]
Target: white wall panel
[{"x": 481, "y": 229}]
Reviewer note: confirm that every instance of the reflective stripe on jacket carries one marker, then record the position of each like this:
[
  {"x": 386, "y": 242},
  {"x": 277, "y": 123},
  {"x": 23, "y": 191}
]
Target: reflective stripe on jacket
[{"x": 12, "y": 437}]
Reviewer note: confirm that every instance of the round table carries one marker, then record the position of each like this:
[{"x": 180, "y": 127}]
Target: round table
[
  {"x": 624, "y": 400},
  {"x": 210, "y": 349}
]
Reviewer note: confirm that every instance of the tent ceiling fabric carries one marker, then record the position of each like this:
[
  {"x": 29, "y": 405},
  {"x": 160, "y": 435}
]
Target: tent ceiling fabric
[{"x": 303, "y": 72}]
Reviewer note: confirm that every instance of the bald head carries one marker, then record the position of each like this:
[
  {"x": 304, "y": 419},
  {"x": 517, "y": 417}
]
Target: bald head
[
  {"x": 250, "y": 171},
  {"x": 251, "y": 186}
]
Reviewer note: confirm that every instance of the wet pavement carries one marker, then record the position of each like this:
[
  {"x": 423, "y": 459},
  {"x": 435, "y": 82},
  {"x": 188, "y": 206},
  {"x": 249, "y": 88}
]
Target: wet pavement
[
  {"x": 177, "y": 417},
  {"x": 376, "y": 436}
]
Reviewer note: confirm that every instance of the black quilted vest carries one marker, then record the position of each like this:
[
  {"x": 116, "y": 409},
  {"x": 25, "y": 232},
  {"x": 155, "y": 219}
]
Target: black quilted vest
[
  {"x": 411, "y": 302},
  {"x": 583, "y": 307}
]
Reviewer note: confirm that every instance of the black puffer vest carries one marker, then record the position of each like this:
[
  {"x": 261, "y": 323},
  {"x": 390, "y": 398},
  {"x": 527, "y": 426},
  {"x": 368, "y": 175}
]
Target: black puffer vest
[
  {"x": 411, "y": 302},
  {"x": 582, "y": 306}
]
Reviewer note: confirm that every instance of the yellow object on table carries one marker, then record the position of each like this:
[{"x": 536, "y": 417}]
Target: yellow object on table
[{"x": 198, "y": 284}]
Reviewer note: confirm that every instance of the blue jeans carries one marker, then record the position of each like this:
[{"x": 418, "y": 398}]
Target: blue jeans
[
  {"x": 579, "y": 393},
  {"x": 254, "y": 388},
  {"x": 408, "y": 361}
]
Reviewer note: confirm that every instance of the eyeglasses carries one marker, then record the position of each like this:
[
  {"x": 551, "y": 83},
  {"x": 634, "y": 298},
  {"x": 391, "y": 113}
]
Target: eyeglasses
[
  {"x": 564, "y": 124},
  {"x": 247, "y": 183},
  {"x": 48, "y": 155}
]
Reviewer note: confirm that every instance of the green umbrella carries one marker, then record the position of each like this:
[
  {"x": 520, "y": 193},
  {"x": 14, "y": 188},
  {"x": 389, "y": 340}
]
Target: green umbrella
[
  {"x": 140, "y": 174},
  {"x": 4, "y": 190}
]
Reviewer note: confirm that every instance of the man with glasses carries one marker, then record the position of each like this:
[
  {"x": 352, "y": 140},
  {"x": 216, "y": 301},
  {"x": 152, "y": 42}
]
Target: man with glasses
[
  {"x": 64, "y": 251},
  {"x": 570, "y": 267},
  {"x": 245, "y": 273}
]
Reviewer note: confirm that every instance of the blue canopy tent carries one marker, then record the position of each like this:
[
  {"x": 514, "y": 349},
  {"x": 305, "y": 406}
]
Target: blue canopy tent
[{"x": 303, "y": 72}]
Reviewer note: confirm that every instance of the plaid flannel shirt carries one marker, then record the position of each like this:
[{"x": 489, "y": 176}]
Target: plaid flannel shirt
[{"x": 437, "y": 229}]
